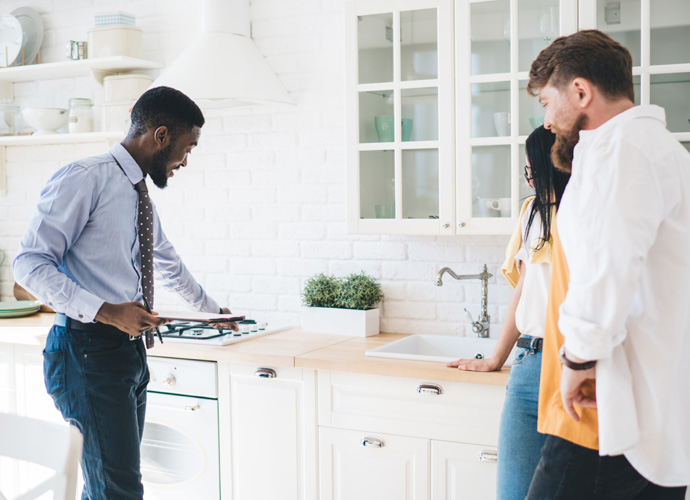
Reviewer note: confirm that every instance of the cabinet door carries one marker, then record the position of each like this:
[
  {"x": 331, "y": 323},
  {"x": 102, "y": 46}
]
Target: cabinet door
[
  {"x": 399, "y": 69},
  {"x": 657, "y": 37},
  {"x": 273, "y": 433},
  {"x": 362, "y": 466},
  {"x": 462, "y": 471},
  {"x": 495, "y": 44}
]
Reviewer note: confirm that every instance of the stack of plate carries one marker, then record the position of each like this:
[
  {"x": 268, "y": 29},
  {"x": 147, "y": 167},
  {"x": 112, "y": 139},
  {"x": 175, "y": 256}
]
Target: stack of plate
[
  {"x": 21, "y": 35},
  {"x": 19, "y": 308}
]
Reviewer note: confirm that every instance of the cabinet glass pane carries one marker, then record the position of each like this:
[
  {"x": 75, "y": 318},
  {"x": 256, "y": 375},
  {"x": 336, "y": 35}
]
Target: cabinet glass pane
[
  {"x": 491, "y": 109},
  {"x": 419, "y": 44},
  {"x": 537, "y": 26},
  {"x": 491, "y": 181},
  {"x": 419, "y": 114},
  {"x": 420, "y": 184},
  {"x": 531, "y": 113},
  {"x": 376, "y": 116},
  {"x": 686, "y": 145},
  {"x": 377, "y": 185},
  {"x": 490, "y": 35},
  {"x": 525, "y": 189},
  {"x": 670, "y": 32},
  {"x": 636, "y": 87},
  {"x": 672, "y": 92},
  {"x": 375, "y": 48},
  {"x": 621, "y": 21}
]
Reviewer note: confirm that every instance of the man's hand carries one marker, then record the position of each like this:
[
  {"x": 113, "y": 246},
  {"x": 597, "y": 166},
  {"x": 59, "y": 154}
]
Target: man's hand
[
  {"x": 572, "y": 382},
  {"x": 475, "y": 365},
  {"x": 225, "y": 326},
  {"x": 130, "y": 317}
]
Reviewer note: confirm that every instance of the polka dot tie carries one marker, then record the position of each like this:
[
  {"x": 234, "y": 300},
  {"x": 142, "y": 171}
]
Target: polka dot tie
[{"x": 145, "y": 220}]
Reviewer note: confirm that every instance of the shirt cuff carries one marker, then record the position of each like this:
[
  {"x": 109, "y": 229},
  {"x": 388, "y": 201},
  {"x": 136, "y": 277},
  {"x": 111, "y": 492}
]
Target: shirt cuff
[
  {"x": 584, "y": 340},
  {"x": 209, "y": 305},
  {"x": 84, "y": 306}
]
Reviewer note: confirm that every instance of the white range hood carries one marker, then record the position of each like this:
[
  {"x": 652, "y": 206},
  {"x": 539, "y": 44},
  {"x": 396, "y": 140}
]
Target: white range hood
[{"x": 223, "y": 67}]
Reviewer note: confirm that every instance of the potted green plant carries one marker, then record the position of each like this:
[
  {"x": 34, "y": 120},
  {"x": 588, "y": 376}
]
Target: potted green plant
[{"x": 341, "y": 306}]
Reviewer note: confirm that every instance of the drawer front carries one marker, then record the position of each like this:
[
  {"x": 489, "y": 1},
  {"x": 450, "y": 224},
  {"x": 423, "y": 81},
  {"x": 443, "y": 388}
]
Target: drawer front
[
  {"x": 449, "y": 411},
  {"x": 187, "y": 377}
]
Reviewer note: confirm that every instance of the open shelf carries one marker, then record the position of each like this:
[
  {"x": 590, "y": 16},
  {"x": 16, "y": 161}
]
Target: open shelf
[
  {"x": 29, "y": 140},
  {"x": 67, "y": 69}
]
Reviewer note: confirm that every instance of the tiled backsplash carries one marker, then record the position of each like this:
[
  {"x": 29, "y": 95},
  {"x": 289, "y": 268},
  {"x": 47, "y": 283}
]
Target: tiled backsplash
[{"x": 261, "y": 206}]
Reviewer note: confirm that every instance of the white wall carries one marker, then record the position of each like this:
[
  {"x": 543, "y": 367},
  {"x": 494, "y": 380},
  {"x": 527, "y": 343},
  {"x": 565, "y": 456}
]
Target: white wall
[{"x": 261, "y": 206}]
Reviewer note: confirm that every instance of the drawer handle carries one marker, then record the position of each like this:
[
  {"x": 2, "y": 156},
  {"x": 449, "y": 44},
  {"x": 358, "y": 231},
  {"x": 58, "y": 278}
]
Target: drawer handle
[
  {"x": 430, "y": 389},
  {"x": 192, "y": 408},
  {"x": 370, "y": 441},
  {"x": 265, "y": 373},
  {"x": 488, "y": 456}
]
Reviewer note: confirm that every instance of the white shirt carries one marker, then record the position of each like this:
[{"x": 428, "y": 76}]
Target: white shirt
[
  {"x": 624, "y": 222},
  {"x": 530, "y": 314}
]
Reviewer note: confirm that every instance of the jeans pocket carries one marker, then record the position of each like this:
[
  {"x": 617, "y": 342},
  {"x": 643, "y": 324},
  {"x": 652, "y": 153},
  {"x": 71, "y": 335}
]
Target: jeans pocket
[
  {"x": 617, "y": 479},
  {"x": 102, "y": 343},
  {"x": 521, "y": 356},
  {"x": 54, "y": 373}
]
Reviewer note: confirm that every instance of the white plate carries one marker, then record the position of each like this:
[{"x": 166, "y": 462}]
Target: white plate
[
  {"x": 32, "y": 28},
  {"x": 10, "y": 39}
]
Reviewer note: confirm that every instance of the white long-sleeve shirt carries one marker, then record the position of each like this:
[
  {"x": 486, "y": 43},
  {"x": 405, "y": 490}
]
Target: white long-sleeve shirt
[{"x": 624, "y": 223}]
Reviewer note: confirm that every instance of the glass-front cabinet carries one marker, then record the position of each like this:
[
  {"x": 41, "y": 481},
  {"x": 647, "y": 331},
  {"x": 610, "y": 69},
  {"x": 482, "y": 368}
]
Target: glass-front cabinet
[
  {"x": 400, "y": 117},
  {"x": 657, "y": 33},
  {"x": 437, "y": 108},
  {"x": 495, "y": 44}
]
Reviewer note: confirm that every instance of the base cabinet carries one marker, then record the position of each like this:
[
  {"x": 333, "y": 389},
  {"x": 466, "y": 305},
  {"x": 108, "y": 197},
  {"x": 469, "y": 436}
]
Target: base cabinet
[
  {"x": 372, "y": 466},
  {"x": 462, "y": 471}
]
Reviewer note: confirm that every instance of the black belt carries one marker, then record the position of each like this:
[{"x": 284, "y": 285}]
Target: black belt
[
  {"x": 97, "y": 327},
  {"x": 532, "y": 343}
]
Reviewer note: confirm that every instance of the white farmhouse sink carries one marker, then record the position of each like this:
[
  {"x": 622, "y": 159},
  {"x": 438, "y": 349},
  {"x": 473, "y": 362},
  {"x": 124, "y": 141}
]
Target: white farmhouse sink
[{"x": 442, "y": 348}]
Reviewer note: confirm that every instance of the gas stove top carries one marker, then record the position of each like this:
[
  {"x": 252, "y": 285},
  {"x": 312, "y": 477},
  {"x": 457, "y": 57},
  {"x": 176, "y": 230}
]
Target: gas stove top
[{"x": 203, "y": 333}]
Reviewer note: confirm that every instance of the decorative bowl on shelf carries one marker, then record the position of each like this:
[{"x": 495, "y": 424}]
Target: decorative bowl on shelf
[{"x": 45, "y": 120}]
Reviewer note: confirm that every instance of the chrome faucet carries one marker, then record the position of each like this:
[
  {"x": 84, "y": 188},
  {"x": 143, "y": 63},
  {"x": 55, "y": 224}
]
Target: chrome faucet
[{"x": 481, "y": 326}]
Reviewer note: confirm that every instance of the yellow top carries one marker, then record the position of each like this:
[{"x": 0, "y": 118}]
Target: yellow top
[
  {"x": 552, "y": 416},
  {"x": 510, "y": 269}
]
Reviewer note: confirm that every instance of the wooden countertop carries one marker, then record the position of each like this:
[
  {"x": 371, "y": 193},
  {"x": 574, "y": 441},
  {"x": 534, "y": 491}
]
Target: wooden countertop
[{"x": 283, "y": 349}]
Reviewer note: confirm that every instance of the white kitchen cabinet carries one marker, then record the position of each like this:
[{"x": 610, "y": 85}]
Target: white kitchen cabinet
[
  {"x": 268, "y": 432},
  {"x": 427, "y": 437},
  {"x": 462, "y": 471},
  {"x": 657, "y": 33},
  {"x": 372, "y": 466}
]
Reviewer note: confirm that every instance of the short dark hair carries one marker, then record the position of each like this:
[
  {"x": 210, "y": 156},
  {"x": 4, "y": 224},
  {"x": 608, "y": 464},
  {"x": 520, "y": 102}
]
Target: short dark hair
[
  {"x": 588, "y": 54},
  {"x": 165, "y": 106}
]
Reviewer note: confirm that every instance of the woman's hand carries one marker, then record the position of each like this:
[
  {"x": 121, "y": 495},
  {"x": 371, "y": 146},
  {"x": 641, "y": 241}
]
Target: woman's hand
[{"x": 476, "y": 365}]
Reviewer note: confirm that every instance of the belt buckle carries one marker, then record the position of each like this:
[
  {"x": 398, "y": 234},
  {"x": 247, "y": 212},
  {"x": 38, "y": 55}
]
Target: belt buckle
[{"x": 533, "y": 345}]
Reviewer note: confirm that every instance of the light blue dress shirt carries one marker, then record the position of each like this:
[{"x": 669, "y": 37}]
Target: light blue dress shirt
[{"x": 81, "y": 248}]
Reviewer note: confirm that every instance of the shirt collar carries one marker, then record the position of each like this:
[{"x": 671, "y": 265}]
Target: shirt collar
[
  {"x": 129, "y": 165},
  {"x": 648, "y": 111}
]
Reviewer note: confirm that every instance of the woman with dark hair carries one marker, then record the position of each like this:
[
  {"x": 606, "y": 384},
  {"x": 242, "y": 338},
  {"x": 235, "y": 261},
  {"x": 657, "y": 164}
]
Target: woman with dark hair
[{"x": 528, "y": 269}]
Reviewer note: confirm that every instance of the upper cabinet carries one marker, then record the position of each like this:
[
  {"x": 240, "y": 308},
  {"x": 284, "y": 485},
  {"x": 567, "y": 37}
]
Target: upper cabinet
[
  {"x": 495, "y": 44},
  {"x": 438, "y": 113},
  {"x": 657, "y": 33},
  {"x": 400, "y": 117}
]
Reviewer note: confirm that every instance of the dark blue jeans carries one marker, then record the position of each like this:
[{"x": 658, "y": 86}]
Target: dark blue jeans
[
  {"x": 567, "y": 471},
  {"x": 98, "y": 382}
]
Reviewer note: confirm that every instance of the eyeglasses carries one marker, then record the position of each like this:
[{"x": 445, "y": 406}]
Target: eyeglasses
[{"x": 528, "y": 171}]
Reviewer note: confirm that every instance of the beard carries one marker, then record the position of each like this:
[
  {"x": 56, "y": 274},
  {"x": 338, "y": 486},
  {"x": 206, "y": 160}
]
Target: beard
[
  {"x": 566, "y": 140},
  {"x": 159, "y": 167}
]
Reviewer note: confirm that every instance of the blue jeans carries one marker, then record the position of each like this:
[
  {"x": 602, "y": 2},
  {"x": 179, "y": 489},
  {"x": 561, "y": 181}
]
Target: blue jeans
[
  {"x": 98, "y": 382},
  {"x": 519, "y": 443}
]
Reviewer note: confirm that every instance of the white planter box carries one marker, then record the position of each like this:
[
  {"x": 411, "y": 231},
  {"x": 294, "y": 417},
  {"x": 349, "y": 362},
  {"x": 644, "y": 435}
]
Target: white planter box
[{"x": 351, "y": 322}]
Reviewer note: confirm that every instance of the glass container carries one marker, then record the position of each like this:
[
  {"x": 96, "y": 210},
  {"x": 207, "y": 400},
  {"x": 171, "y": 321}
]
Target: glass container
[{"x": 80, "y": 115}]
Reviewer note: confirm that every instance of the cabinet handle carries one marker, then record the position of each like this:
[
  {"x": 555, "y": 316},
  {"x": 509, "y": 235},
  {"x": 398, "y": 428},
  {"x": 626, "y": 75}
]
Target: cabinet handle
[
  {"x": 371, "y": 441},
  {"x": 488, "y": 456},
  {"x": 265, "y": 373},
  {"x": 192, "y": 408},
  {"x": 446, "y": 225},
  {"x": 430, "y": 389},
  {"x": 461, "y": 224}
]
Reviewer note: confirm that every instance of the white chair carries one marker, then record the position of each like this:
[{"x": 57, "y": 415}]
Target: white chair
[{"x": 51, "y": 445}]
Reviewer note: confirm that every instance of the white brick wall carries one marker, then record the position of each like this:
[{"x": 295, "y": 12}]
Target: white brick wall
[{"x": 261, "y": 206}]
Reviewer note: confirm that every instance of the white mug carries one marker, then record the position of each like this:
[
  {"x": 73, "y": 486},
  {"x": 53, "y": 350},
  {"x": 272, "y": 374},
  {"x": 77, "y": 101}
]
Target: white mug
[{"x": 500, "y": 204}]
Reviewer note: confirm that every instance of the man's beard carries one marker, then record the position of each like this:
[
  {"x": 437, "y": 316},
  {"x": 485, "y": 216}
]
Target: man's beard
[
  {"x": 159, "y": 167},
  {"x": 566, "y": 140}
]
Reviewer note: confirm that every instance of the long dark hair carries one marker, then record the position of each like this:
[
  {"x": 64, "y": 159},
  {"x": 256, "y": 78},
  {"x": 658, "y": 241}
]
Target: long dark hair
[{"x": 549, "y": 183}]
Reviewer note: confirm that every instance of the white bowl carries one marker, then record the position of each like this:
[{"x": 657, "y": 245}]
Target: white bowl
[{"x": 45, "y": 120}]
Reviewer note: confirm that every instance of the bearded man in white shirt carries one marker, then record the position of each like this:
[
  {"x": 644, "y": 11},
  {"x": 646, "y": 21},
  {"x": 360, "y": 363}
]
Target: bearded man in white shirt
[{"x": 624, "y": 226}]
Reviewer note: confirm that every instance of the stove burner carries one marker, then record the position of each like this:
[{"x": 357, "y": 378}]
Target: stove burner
[{"x": 205, "y": 331}]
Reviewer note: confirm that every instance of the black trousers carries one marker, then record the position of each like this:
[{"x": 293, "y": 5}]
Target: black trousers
[{"x": 567, "y": 471}]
